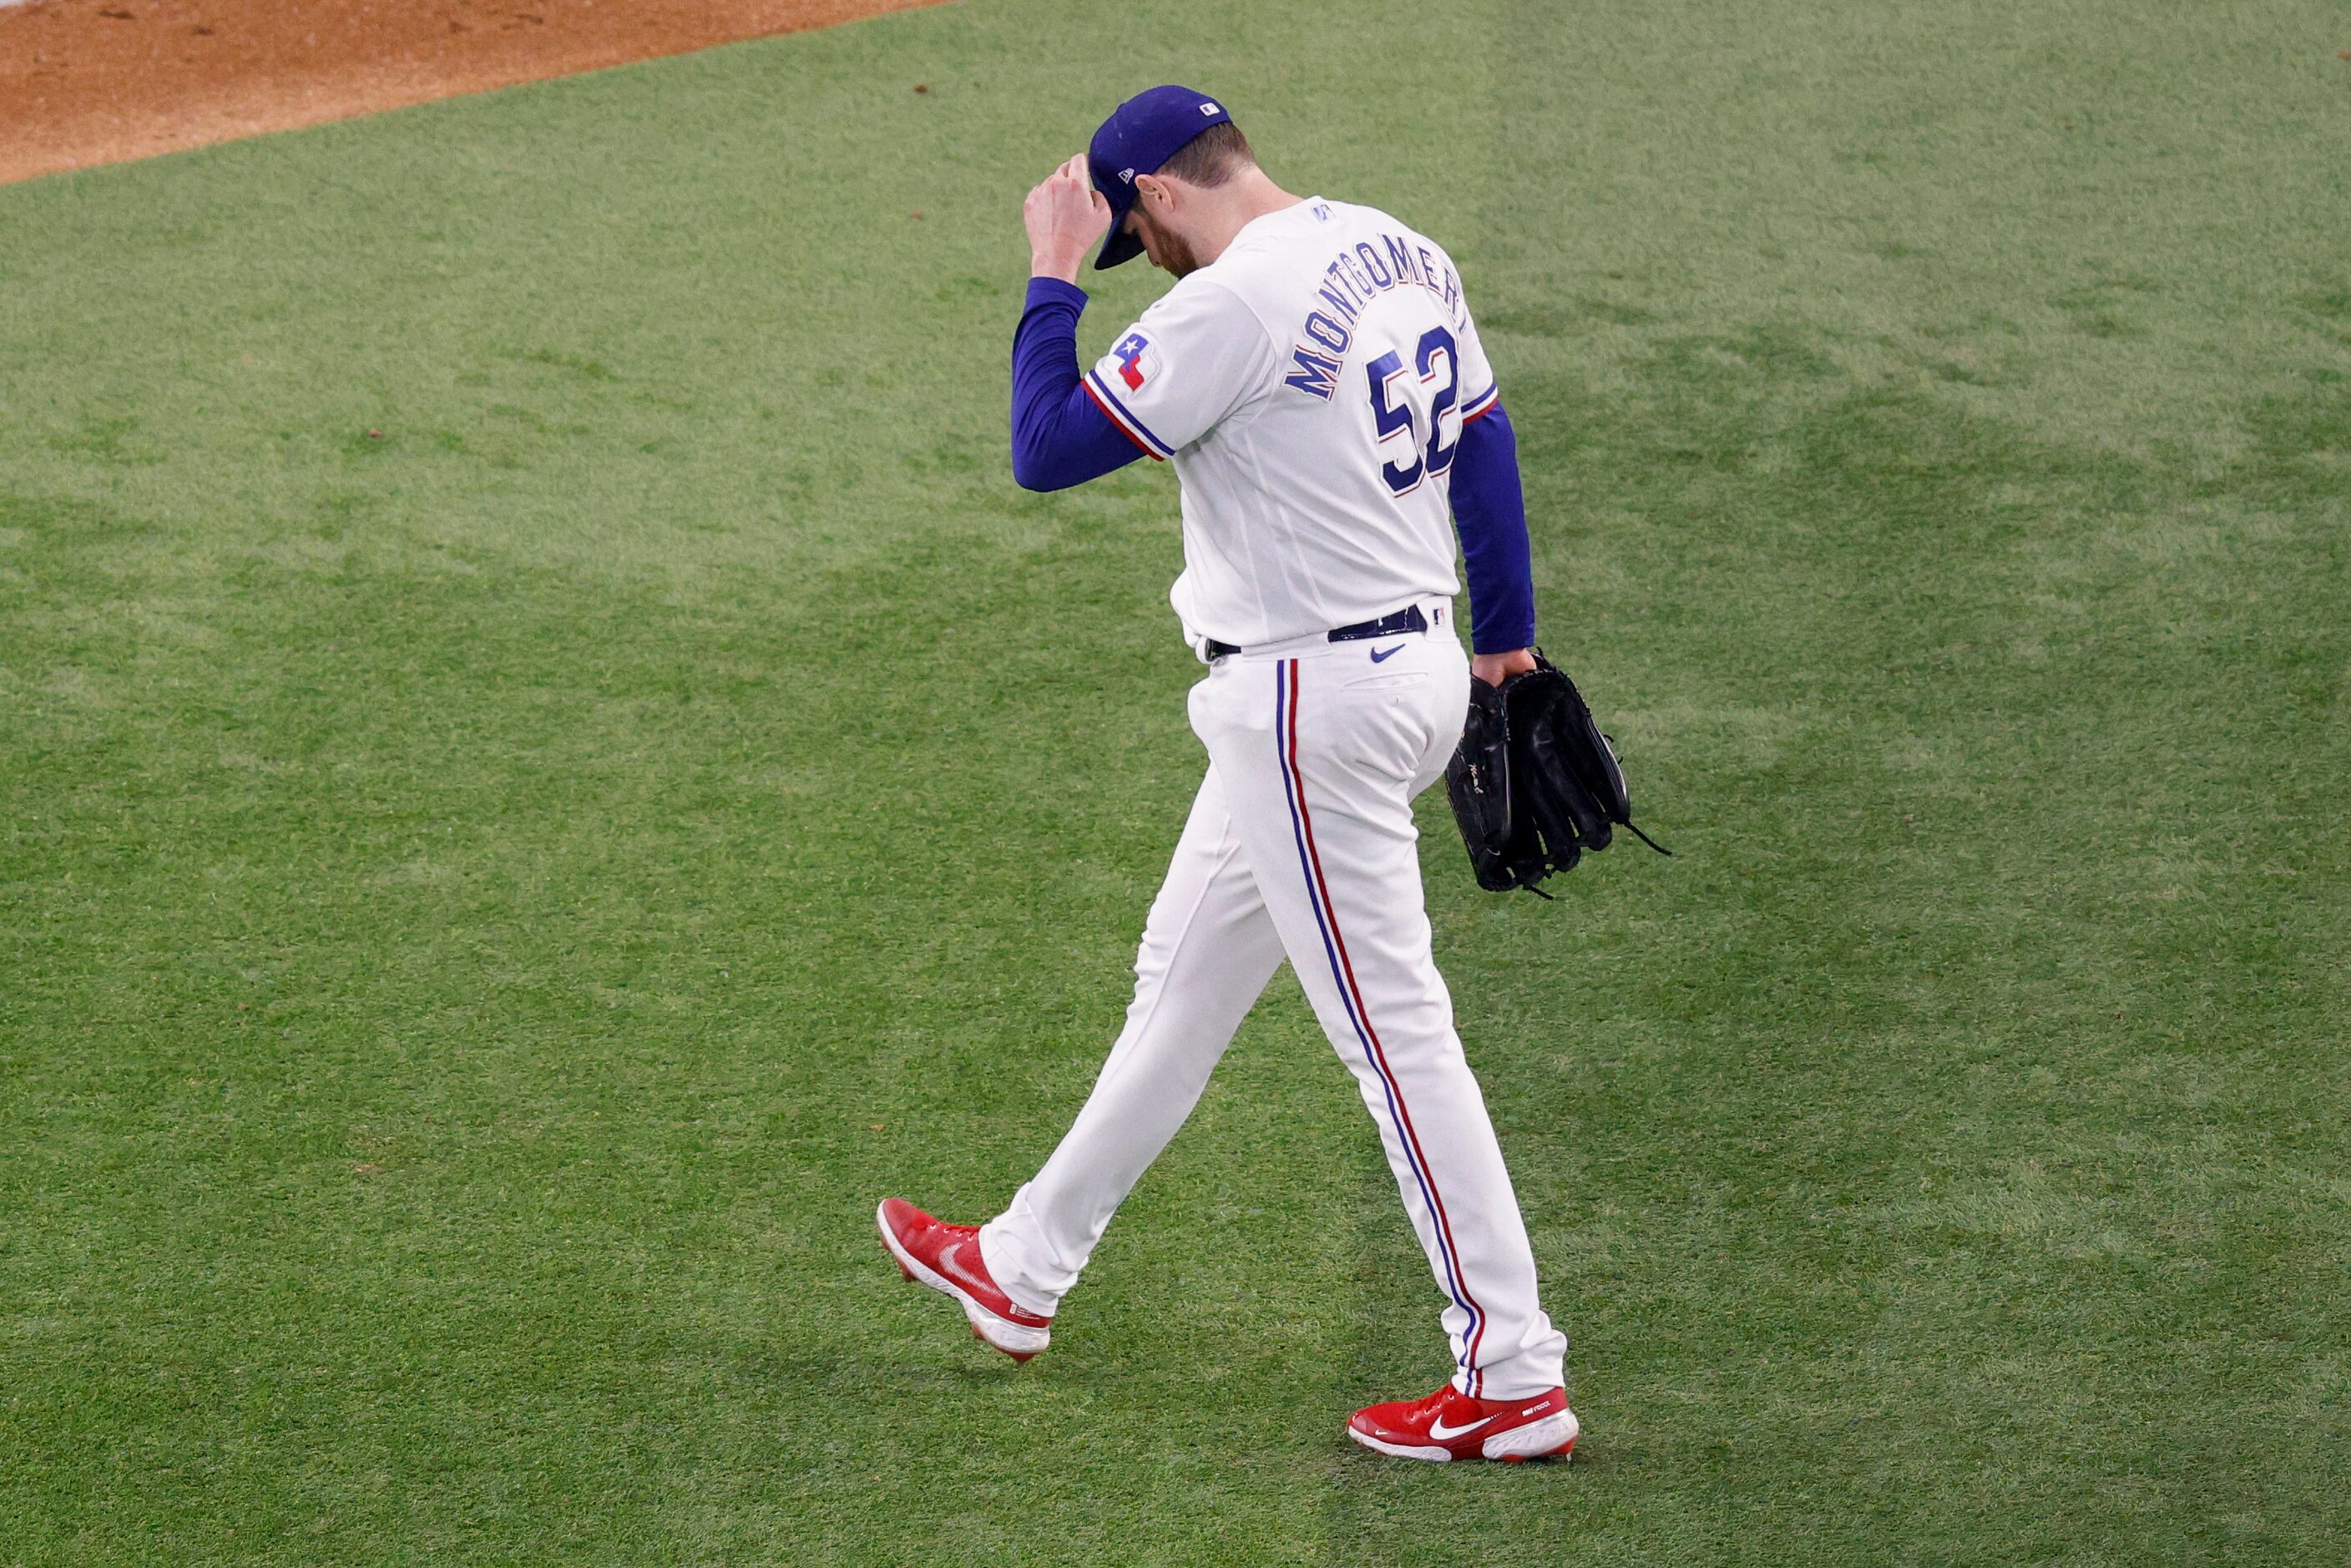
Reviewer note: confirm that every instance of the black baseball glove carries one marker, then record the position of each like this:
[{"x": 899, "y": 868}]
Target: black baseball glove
[{"x": 1534, "y": 783}]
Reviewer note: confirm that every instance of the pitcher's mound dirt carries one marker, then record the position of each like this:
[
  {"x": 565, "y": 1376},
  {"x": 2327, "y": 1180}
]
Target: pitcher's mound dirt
[{"x": 96, "y": 81}]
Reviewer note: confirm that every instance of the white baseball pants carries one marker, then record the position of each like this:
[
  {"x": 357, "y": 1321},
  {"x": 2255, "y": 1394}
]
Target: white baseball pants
[{"x": 1301, "y": 844}]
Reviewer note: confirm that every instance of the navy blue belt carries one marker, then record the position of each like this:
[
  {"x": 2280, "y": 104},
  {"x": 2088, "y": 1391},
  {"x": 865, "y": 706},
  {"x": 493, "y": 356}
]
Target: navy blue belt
[{"x": 1408, "y": 619}]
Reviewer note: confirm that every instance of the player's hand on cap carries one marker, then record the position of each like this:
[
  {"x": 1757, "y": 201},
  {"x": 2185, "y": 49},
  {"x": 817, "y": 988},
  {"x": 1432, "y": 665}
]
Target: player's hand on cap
[{"x": 1067, "y": 218}]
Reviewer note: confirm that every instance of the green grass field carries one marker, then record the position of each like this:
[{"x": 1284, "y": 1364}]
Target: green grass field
[{"x": 487, "y": 908}]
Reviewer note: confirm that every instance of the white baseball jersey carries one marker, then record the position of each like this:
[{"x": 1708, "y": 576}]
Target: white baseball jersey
[{"x": 1310, "y": 386}]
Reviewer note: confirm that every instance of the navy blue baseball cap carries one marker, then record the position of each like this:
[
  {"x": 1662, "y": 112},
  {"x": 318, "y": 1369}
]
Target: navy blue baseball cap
[{"x": 1139, "y": 136}]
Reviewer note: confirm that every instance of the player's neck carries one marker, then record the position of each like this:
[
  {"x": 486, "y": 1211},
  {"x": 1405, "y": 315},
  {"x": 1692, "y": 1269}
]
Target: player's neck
[{"x": 1248, "y": 196}]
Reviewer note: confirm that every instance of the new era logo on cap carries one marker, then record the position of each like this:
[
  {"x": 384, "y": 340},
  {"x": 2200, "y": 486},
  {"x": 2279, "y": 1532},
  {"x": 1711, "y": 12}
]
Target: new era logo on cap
[{"x": 1127, "y": 175}]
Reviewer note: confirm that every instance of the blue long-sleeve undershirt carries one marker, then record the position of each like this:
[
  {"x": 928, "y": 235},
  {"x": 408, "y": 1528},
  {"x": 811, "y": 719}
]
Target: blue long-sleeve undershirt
[
  {"x": 1060, "y": 437},
  {"x": 1489, "y": 512}
]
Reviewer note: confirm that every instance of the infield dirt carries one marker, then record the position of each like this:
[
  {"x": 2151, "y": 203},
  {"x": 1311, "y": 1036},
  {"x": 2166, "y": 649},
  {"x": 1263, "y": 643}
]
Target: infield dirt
[{"x": 102, "y": 81}]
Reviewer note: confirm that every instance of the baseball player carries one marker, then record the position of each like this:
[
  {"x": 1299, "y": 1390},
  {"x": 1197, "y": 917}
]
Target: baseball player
[{"x": 1316, "y": 379}]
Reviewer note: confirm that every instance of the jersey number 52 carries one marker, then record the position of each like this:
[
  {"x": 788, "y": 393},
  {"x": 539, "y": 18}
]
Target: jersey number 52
[{"x": 1431, "y": 454}]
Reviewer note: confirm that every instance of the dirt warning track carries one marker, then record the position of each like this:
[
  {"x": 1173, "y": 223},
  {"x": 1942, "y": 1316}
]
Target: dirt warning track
[{"x": 98, "y": 81}]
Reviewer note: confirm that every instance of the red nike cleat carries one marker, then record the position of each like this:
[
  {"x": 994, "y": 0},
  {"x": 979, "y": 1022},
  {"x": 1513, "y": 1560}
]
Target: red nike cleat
[
  {"x": 947, "y": 1258},
  {"x": 1450, "y": 1424}
]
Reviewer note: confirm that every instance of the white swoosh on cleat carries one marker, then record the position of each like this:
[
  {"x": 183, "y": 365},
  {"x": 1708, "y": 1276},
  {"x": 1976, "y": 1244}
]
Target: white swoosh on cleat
[
  {"x": 1444, "y": 1434},
  {"x": 947, "y": 1262}
]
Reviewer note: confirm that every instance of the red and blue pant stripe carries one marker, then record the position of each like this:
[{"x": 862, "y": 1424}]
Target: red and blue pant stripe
[{"x": 1351, "y": 998}]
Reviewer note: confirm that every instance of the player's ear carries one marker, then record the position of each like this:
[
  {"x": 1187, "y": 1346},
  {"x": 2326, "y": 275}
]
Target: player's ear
[{"x": 1156, "y": 190}]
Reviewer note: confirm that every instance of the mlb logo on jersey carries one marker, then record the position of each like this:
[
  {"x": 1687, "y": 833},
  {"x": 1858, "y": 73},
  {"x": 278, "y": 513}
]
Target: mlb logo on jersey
[{"x": 1138, "y": 360}]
